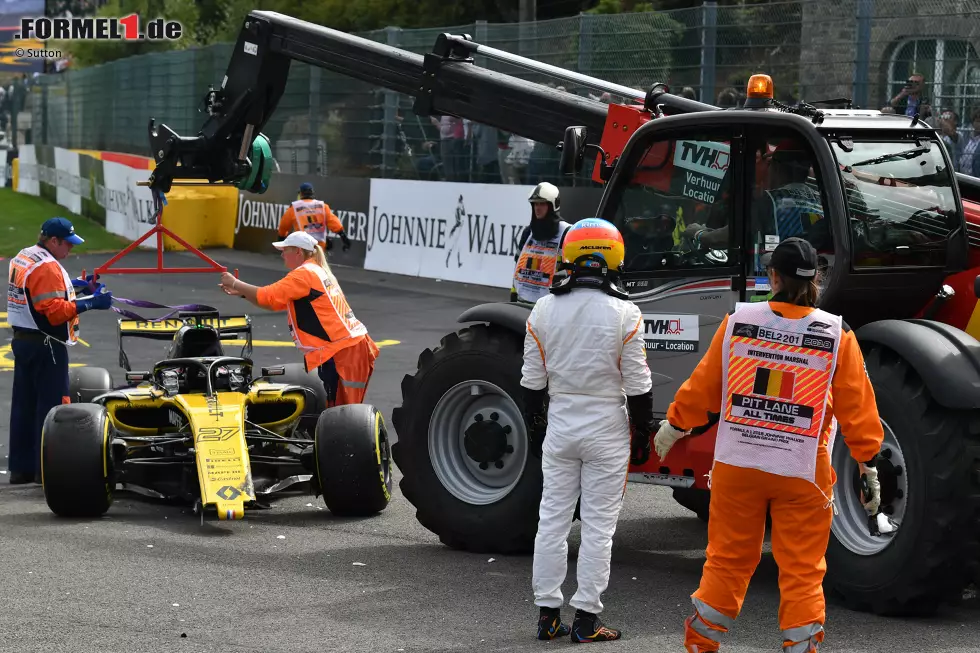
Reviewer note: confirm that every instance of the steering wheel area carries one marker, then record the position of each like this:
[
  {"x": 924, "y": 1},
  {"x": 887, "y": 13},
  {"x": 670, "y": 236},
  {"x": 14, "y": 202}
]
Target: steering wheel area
[{"x": 650, "y": 246}]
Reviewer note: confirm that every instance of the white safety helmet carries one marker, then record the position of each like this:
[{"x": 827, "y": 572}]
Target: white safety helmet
[{"x": 545, "y": 192}]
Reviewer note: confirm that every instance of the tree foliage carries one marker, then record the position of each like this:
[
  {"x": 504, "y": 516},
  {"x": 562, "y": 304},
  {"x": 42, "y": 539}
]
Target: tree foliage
[
  {"x": 186, "y": 12},
  {"x": 207, "y": 22}
]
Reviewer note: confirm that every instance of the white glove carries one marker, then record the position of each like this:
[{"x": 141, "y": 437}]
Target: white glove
[
  {"x": 666, "y": 437},
  {"x": 874, "y": 487}
]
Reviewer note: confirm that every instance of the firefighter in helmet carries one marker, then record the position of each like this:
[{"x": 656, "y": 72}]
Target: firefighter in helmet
[{"x": 540, "y": 245}]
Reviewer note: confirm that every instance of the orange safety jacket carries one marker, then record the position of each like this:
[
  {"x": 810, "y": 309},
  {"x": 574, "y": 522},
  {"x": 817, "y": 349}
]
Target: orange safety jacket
[
  {"x": 320, "y": 320},
  {"x": 40, "y": 295},
  {"x": 312, "y": 216}
]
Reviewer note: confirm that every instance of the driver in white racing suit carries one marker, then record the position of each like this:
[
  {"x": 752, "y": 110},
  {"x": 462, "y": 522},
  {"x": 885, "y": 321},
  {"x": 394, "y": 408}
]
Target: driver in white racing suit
[{"x": 584, "y": 352}]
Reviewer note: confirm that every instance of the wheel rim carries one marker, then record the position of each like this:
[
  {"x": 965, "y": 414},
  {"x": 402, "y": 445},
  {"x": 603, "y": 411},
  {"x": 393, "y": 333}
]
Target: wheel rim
[
  {"x": 850, "y": 525},
  {"x": 477, "y": 442}
]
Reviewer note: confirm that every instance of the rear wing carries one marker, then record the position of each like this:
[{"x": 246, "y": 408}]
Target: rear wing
[{"x": 229, "y": 327}]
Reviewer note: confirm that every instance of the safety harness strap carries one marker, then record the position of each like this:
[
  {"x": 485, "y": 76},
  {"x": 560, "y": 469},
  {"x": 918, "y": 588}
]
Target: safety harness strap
[{"x": 140, "y": 303}]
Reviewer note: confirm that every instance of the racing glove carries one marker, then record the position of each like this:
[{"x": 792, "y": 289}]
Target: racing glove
[
  {"x": 536, "y": 418},
  {"x": 666, "y": 437},
  {"x": 343, "y": 237},
  {"x": 641, "y": 416},
  {"x": 100, "y": 301}
]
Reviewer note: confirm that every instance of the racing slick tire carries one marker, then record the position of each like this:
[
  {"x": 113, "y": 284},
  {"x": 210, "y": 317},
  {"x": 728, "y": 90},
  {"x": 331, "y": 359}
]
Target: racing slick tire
[
  {"x": 316, "y": 395},
  {"x": 76, "y": 460},
  {"x": 930, "y": 484},
  {"x": 353, "y": 460},
  {"x": 87, "y": 383},
  {"x": 296, "y": 374},
  {"x": 462, "y": 445}
]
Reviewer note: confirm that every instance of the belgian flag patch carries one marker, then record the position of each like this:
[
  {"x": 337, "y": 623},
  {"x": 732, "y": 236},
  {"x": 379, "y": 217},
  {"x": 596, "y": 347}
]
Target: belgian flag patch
[{"x": 774, "y": 383}]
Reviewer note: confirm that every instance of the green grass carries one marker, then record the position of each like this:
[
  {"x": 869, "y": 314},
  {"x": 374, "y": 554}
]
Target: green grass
[{"x": 21, "y": 217}]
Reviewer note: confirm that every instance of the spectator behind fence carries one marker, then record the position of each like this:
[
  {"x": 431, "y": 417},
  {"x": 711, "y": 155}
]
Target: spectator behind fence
[
  {"x": 911, "y": 99},
  {"x": 451, "y": 141},
  {"x": 689, "y": 93},
  {"x": 948, "y": 123},
  {"x": 966, "y": 158},
  {"x": 487, "y": 165},
  {"x": 727, "y": 99}
]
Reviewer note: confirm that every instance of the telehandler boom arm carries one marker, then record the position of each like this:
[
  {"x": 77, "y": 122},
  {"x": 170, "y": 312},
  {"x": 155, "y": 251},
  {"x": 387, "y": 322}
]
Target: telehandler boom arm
[{"x": 444, "y": 82}]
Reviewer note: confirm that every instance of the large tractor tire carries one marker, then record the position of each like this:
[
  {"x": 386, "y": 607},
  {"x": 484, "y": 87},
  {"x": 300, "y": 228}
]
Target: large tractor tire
[
  {"x": 87, "y": 383},
  {"x": 462, "y": 447},
  {"x": 352, "y": 455},
  {"x": 76, "y": 460},
  {"x": 930, "y": 485}
]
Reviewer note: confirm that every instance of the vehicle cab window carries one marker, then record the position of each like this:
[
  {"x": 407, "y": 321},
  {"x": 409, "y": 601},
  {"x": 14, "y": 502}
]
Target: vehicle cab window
[
  {"x": 900, "y": 201},
  {"x": 787, "y": 202},
  {"x": 676, "y": 208}
]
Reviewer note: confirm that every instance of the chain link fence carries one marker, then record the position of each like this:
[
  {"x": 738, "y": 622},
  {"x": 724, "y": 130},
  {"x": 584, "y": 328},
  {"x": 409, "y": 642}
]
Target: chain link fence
[{"x": 328, "y": 124}]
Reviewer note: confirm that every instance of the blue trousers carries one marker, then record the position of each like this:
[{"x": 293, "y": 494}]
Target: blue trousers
[{"x": 40, "y": 384}]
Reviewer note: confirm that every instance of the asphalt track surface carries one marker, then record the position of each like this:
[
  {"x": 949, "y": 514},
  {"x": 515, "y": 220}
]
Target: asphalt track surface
[{"x": 149, "y": 577}]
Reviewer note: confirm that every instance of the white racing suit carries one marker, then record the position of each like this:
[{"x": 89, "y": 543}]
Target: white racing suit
[{"x": 587, "y": 348}]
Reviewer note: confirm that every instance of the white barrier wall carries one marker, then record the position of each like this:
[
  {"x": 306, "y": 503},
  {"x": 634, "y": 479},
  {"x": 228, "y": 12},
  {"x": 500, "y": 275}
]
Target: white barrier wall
[
  {"x": 27, "y": 171},
  {"x": 462, "y": 232},
  {"x": 128, "y": 207},
  {"x": 442, "y": 230},
  {"x": 57, "y": 174},
  {"x": 66, "y": 178}
]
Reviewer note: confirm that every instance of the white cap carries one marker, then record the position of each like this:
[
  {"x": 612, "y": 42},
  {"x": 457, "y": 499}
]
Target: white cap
[{"x": 299, "y": 239}]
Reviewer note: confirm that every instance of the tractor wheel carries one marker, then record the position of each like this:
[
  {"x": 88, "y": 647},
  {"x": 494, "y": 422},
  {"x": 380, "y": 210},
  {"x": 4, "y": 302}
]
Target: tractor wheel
[
  {"x": 930, "y": 485},
  {"x": 352, "y": 460},
  {"x": 462, "y": 447},
  {"x": 87, "y": 383},
  {"x": 76, "y": 460},
  {"x": 695, "y": 500}
]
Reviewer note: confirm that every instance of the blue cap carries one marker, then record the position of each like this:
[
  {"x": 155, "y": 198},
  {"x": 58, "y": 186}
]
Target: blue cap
[
  {"x": 306, "y": 187},
  {"x": 61, "y": 228}
]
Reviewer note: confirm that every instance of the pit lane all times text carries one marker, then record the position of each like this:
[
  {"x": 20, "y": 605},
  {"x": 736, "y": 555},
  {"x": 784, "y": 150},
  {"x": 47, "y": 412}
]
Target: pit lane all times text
[{"x": 36, "y": 53}]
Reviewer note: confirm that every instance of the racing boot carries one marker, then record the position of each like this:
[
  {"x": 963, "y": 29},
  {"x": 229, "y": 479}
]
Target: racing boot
[
  {"x": 588, "y": 628},
  {"x": 550, "y": 625}
]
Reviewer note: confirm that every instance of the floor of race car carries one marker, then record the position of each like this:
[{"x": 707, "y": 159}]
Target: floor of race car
[{"x": 295, "y": 578}]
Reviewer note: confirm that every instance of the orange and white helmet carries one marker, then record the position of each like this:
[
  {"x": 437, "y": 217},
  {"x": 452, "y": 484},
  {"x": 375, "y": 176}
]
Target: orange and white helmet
[{"x": 590, "y": 242}]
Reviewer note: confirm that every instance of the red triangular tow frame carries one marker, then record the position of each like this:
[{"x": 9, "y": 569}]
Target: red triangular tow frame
[{"x": 159, "y": 230}]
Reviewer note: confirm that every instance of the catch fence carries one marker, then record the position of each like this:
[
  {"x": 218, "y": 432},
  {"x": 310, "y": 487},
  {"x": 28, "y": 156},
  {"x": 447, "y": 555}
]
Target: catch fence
[{"x": 328, "y": 124}]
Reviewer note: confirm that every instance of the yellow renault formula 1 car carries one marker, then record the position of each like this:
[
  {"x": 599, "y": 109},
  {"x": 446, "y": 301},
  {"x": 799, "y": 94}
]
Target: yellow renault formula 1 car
[{"x": 200, "y": 427}]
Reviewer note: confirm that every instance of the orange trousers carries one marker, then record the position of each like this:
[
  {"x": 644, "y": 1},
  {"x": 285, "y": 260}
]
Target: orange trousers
[
  {"x": 801, "y": 519},
  {"x": 355, "y": 365}
]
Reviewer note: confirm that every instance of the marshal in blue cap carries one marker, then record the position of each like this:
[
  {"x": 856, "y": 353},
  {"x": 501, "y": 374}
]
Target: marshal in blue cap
[{"x": 61, "y": 228}]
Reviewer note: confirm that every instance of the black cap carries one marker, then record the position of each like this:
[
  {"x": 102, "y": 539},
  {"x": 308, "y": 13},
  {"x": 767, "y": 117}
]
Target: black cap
[{"x": 794, "y": 257}]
